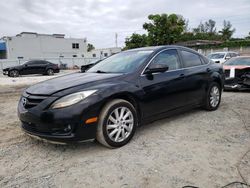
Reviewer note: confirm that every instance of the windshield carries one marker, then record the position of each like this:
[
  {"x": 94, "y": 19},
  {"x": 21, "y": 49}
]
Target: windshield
[
  {"x": 216, "y": 56},
  {"x": 238, "y": 61},
  {"x": 123, "y": 62}
]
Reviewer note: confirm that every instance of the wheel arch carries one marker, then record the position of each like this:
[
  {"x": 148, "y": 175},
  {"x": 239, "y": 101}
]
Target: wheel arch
[
  {"x": 218, "y": 78},
  {"x": 128, "y": 97}
]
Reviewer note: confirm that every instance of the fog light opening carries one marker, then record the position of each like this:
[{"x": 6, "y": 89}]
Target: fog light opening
[{"x": 67, "y": 129}]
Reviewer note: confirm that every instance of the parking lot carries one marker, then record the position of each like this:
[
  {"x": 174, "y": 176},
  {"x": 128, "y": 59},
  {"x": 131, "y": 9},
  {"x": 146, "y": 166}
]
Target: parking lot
[{"x": 198, "y": 148}]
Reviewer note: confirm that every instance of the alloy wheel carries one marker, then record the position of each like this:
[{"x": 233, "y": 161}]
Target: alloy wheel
[
  {"x": 214, "y": 96},
  {"x": 120, "y": 124}
]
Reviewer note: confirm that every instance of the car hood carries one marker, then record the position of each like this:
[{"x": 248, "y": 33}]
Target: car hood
[
  {"x": 54, "y": 85},
  {"x": 227, "y": 67},
  {"x": 221, "y": 59},
  {"x": 14, "y": 67}
]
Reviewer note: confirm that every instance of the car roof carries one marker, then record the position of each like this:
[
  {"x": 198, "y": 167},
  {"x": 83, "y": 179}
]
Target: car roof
[
  {"x": 224, "y": 52},
  {"x": 158, "y": 48}
]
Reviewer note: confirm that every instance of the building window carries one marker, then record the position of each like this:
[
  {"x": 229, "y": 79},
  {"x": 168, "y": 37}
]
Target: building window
[
  {"x": 74, "y": 55},
  {"x": 105, "y": 54},
  {"x": 94, "y": 55},
  {"x": 75, "y": 45}
]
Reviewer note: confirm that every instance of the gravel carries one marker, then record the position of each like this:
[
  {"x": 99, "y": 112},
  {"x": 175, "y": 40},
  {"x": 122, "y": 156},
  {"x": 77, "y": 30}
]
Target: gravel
[{"x": 198, "y": 148}]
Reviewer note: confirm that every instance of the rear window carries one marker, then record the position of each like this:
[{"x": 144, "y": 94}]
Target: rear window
[{"x": 190, "y": 59}]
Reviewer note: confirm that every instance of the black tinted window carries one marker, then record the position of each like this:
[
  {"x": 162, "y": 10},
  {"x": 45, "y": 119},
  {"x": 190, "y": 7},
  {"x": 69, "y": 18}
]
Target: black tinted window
[
  {"x": 190, "y": 59},
  {"x": 169, "y": 58},
  {"x": 37, "y": 62}
]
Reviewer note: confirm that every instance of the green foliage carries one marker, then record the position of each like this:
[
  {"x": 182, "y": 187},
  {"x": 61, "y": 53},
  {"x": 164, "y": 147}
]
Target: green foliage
[
  {"x": 208, "y": 27},
  {"x": 136, "y": 41},
  {"x": 227, "y": 30},
  {"x": 164, "y": 29},
  {"x": 90, "y": 47},
  {"x": 248, "y": 37}
]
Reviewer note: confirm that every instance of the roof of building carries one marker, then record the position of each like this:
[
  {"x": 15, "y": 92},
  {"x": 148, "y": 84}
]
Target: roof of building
[
  {"x": 34, "y": 33},
  {"x": 194, "y": 43}
]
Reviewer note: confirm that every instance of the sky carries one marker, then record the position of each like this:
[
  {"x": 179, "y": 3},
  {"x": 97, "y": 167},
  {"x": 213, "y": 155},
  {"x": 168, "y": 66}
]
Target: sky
[{"x": 99, "y": 20}]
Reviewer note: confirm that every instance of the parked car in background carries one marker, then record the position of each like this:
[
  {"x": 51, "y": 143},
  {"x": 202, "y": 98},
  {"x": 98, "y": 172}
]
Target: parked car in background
[
  {"x": 119, "y": 93},
  {"x": 32, "y": 67},
  {"x": 84, "y": 68},
  {"x": 237, "y": 72},
  {"x": 222, "y": 57}
]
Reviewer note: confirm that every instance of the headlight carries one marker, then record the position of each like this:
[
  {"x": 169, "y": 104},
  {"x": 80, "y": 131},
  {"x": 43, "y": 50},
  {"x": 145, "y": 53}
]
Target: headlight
[{"x": 71, "y": 99}]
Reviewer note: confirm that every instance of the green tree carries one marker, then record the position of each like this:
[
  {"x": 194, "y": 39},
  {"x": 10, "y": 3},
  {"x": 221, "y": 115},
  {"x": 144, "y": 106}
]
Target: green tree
[
  {"x": 136, "y": 41},
  {"x": 248, "y": 37},
  {"x": 164, "y": 29},
  {"x": 227, "y": 30},
  {"x": 210, "y": 26},
  {"x": 90, "y": 47}
]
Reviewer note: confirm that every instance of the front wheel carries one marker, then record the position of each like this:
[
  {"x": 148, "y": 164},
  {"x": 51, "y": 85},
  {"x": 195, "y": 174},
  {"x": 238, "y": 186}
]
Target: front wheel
[
  {"x": 117, "y": 123},
  {"x": 213, "y": 97},
  {"x": 50, "y": 72},
  {"x": 14, "y": 73}
]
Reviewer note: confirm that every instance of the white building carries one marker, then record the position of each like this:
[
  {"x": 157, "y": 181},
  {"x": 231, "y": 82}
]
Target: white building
[
  {"x": 27, "y": 45},
  {"x": 103, "y": 52}
]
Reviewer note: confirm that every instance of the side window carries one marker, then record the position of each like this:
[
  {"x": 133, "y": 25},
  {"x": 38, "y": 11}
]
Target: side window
[
  {"x": 41, "y": 62},
  {"x": 190, "y": 59},
  {"x": 30, "y": 63},
  {"x": 168, "y": 57}
]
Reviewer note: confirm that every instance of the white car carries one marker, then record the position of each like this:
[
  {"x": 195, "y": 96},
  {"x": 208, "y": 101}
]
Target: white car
[{"x": 222, "y": 57}]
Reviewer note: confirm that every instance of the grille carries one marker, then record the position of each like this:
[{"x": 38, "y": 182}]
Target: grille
[{"x": 30, "y": 101}]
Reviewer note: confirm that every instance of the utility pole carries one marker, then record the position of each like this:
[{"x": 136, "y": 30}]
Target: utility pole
[{"x": 116, "y": 36}]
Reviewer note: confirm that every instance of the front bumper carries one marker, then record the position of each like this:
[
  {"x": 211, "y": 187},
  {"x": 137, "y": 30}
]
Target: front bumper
[
  {"x": 5, "y": 72},
  {"x": 235, "y": 84},
  {"x": 63, "y": 125}
]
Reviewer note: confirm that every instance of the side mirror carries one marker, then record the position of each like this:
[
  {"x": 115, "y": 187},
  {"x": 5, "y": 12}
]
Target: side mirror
[{"x": 154, "y": 68}]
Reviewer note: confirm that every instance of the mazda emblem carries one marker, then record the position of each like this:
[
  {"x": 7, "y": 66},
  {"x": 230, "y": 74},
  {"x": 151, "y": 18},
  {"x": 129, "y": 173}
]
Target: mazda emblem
[{"x": 24, "y": 101}]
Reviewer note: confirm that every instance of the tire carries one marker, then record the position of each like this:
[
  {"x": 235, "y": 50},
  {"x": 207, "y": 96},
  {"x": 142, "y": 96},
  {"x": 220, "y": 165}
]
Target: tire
[
  {"x": 213, "y": 97},
  {"x": 14, "y": 73},
  {"x": 50, "y": 72},
  {"x": 109, "y": 126}
]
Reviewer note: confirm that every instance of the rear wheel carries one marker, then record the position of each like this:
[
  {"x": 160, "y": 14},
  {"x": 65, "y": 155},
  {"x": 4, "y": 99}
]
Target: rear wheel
[
  {"x": 14, "y": 73},
  {"x": 213, "y": 97},
  {"x": 50, "y": 72},
  {"x": 117, "y": 123}
]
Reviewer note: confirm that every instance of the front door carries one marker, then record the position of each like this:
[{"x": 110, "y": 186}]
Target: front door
[{"x": 164, "y": 91}]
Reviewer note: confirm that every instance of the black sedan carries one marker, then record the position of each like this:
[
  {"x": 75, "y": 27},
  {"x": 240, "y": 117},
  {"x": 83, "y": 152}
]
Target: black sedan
[
  {"x": 112, "y": 98},
  {"x": 32, "y": 67}
]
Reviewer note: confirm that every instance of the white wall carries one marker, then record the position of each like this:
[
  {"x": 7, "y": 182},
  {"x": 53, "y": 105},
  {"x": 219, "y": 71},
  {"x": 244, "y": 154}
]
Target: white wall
[
  {"x": 43, "y": 46},
  {"x": 104, "y": 52}
]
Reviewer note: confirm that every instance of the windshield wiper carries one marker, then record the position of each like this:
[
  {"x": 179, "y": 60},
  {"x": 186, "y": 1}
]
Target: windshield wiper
[{"x": 99, "y": 71}]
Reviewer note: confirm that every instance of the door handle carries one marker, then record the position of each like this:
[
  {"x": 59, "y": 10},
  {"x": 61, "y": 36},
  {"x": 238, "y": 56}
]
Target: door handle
[{"x": 208, "y": 70}]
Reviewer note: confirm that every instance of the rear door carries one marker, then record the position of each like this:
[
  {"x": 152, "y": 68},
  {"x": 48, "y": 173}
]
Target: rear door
[
  {"x": 38, "y": 67},
  {"x": 164, "y": 91},
  {"x": 196, "y": 74}
]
